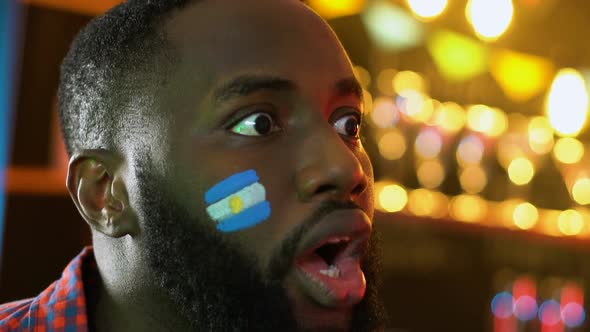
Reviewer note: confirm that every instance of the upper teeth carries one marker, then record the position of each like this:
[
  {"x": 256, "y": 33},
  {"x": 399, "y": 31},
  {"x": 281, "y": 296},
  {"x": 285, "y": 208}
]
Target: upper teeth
[
  {"x": 332, "y": 272},
  {"x": 338, "y": 239}
]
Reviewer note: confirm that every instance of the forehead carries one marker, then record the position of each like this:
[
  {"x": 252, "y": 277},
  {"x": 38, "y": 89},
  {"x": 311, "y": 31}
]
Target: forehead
[{"x": 223, "y": 38}]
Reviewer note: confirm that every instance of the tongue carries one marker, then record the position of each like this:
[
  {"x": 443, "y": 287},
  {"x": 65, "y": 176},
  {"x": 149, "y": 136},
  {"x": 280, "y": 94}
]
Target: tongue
[{"x": 347, "y": 287}]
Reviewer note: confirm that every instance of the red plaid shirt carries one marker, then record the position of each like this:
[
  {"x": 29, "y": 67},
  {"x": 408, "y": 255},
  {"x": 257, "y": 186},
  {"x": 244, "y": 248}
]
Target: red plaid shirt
[{"x": 59, "y": 308}]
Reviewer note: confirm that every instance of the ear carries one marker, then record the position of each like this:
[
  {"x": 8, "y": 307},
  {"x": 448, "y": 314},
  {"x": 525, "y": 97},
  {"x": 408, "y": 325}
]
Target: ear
[{"x": 98, "y": 190}]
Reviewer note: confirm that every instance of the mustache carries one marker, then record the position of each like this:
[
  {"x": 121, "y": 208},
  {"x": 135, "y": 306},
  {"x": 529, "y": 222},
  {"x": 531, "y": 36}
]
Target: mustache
[{"x": 281, "y": 262}]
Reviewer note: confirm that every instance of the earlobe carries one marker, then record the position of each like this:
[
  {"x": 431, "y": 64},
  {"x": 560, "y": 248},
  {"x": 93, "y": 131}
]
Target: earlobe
[{"x": 99, "y": 193}]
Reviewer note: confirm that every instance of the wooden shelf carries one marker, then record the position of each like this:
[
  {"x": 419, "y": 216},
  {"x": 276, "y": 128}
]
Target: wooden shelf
[
  {"x": 86, "y": 7},
  {"x": 36, "y": 181}
]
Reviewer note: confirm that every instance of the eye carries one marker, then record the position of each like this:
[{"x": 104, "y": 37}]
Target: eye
[
  {"x": 348, "y": 125},
  {"x": 257, "y": 124}
]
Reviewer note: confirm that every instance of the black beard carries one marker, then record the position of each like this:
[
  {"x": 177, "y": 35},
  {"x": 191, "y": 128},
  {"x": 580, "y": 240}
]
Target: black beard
[{"x": 215, "y": 285}]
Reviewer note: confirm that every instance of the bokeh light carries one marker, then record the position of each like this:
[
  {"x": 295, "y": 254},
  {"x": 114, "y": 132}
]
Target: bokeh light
[
  {"x": 363, "y": 76},
  {"x": 427, "y": 203},
  {"x": 392, "y": 145},
  {"x": 470, "y": 150},
  {"x": 336, "y": 8},
  {"x": 490, "y": 19},
  {"x": 468, "y": 208},
  {"x": 540, "y": 135},
  {"x": 570, "y": 222},
  {"x": 385, "y": 113},
  {"x": 508, "y": 149},
  {"x": 415, "y": 106},
  {"x": 521, "y": 76},
  {"x": 525, "y": 308},
  {"x": 550, "y": 313},
  {"x": 393, "y": 198},
  {"x": 457, "y": 57},
  {"x": 473, "y": 179},
  {"x": 568, "y": 150},
  {"x": 581, "y": 191},
  {"x": 487, "y": 120},
  {"x": 567, "y": 102},
  {"x": 521, "y": 171},
  {"x": 573, "y": 315},
  {"x": 408, "y": 80},
  {"x": 450, "y": 117},
  {"x": 391, "y": 27},
  {"x": 430, "y": 173},
  {"x": 428, "y": 143},
  {"x": 427, "y": 9},
  {"x": 525, "y": 215},
  {"x": 385, "y": 81},
  {"x": 503, "y": 305}
]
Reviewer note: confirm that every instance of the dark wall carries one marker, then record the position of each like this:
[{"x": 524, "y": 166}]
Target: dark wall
[{"x": 42, "y": 231}]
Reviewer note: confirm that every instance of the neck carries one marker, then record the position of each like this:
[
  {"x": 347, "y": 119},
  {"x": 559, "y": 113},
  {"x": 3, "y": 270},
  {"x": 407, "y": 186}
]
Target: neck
[
  {"x": 109, "y": 310},
  {"x": 125, "y": 297}
]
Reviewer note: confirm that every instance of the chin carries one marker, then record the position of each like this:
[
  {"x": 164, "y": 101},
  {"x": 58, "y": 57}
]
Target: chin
[{"x": 324, "y": 319}]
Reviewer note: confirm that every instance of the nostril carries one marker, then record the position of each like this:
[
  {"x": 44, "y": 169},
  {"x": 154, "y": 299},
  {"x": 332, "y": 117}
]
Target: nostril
[
  {"x": 325, "y": 188},
  {"x": 358, "y": 189}
]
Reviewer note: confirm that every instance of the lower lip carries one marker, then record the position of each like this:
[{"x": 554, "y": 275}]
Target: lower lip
[{"x": 344, "y": 291}]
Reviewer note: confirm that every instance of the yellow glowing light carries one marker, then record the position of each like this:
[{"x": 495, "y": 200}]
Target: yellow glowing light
[
  {"x": 423, "y": 202},
  {"x": 470, "y": 150},
  {"x": 540, "y": 135},
  {"x": 377, "y": 189},
  {"x": 408, "y": 80},
  {"x": 430, "y": 173},
  {"x": 450, "y": 117},
  {"x": 385, "y": 81},
  {"x": 427, "y": 9},
  {"x": 337, "y": 8},
  {"x": 473, "y": 179},
  {"x": 362, "y": 75},
  {"x": 391, "y": 27},
  {"x": 393, "y": 198},
  {"x": 567, "y": 102},
  {"x": 367, "y": 101},
  {"x": 521, "y": 76},
  {"x": 428, "y": 143},
  {"x": 487, "y": 120},
  {"x": 525, "y": 215},
  {"x": 570, "y": 222},
  {"x": 468, "y": 208},
  {"x": 505, "y": 211},
  {"x": 508, "y": 149},
  {"x": 392, "y": 145},
  {"x": 413, "y": 103},
  {"x": 521, "y": 171},
  {"x": 458, "y": 58},
  {"x": 568, "y": 150},
  {"x": 490, "y": 19},
  {"x": 581, "y": 191},
  {"x": 385, "y": 113}
]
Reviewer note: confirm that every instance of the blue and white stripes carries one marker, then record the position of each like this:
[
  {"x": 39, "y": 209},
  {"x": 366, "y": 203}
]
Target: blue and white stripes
[{"x": 238, "y": 202}]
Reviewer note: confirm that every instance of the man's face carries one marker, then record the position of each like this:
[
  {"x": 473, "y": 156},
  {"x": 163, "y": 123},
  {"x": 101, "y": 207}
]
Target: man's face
[{"x": 261, "y": 85}]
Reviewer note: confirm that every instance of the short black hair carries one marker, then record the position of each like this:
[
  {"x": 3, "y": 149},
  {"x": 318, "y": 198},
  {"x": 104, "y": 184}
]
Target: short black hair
[
  {"x": 108, "y": 71},
  {"x": 110, "y": 63}
]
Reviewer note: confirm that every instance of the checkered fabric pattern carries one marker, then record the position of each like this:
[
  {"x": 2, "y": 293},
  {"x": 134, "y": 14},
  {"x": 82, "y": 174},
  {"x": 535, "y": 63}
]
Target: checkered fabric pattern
[{"x": 59, "y": 308}]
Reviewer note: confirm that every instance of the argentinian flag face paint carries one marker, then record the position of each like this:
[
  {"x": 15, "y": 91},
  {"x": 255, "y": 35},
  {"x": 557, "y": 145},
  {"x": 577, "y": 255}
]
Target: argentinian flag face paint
[{"x": 238, "y": 202}]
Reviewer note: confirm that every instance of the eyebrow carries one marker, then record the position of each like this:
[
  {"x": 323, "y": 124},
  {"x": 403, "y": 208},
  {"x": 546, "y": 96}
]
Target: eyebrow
[
  {"x": 247, "y": 84},
  {"x": 348, "y": 87}
]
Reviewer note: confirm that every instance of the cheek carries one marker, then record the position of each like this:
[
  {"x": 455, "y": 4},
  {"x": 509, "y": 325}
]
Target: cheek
[{"x": 238, "y": 202}]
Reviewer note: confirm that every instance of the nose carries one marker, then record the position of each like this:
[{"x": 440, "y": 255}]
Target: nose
[{"x": 328, "y": 168}]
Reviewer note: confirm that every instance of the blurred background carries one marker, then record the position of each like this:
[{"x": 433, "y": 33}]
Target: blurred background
[{"x": 476, "y": 125}]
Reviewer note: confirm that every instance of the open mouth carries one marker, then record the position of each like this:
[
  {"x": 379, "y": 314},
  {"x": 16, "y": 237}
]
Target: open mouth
[{"x": 329, "y": 269}]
